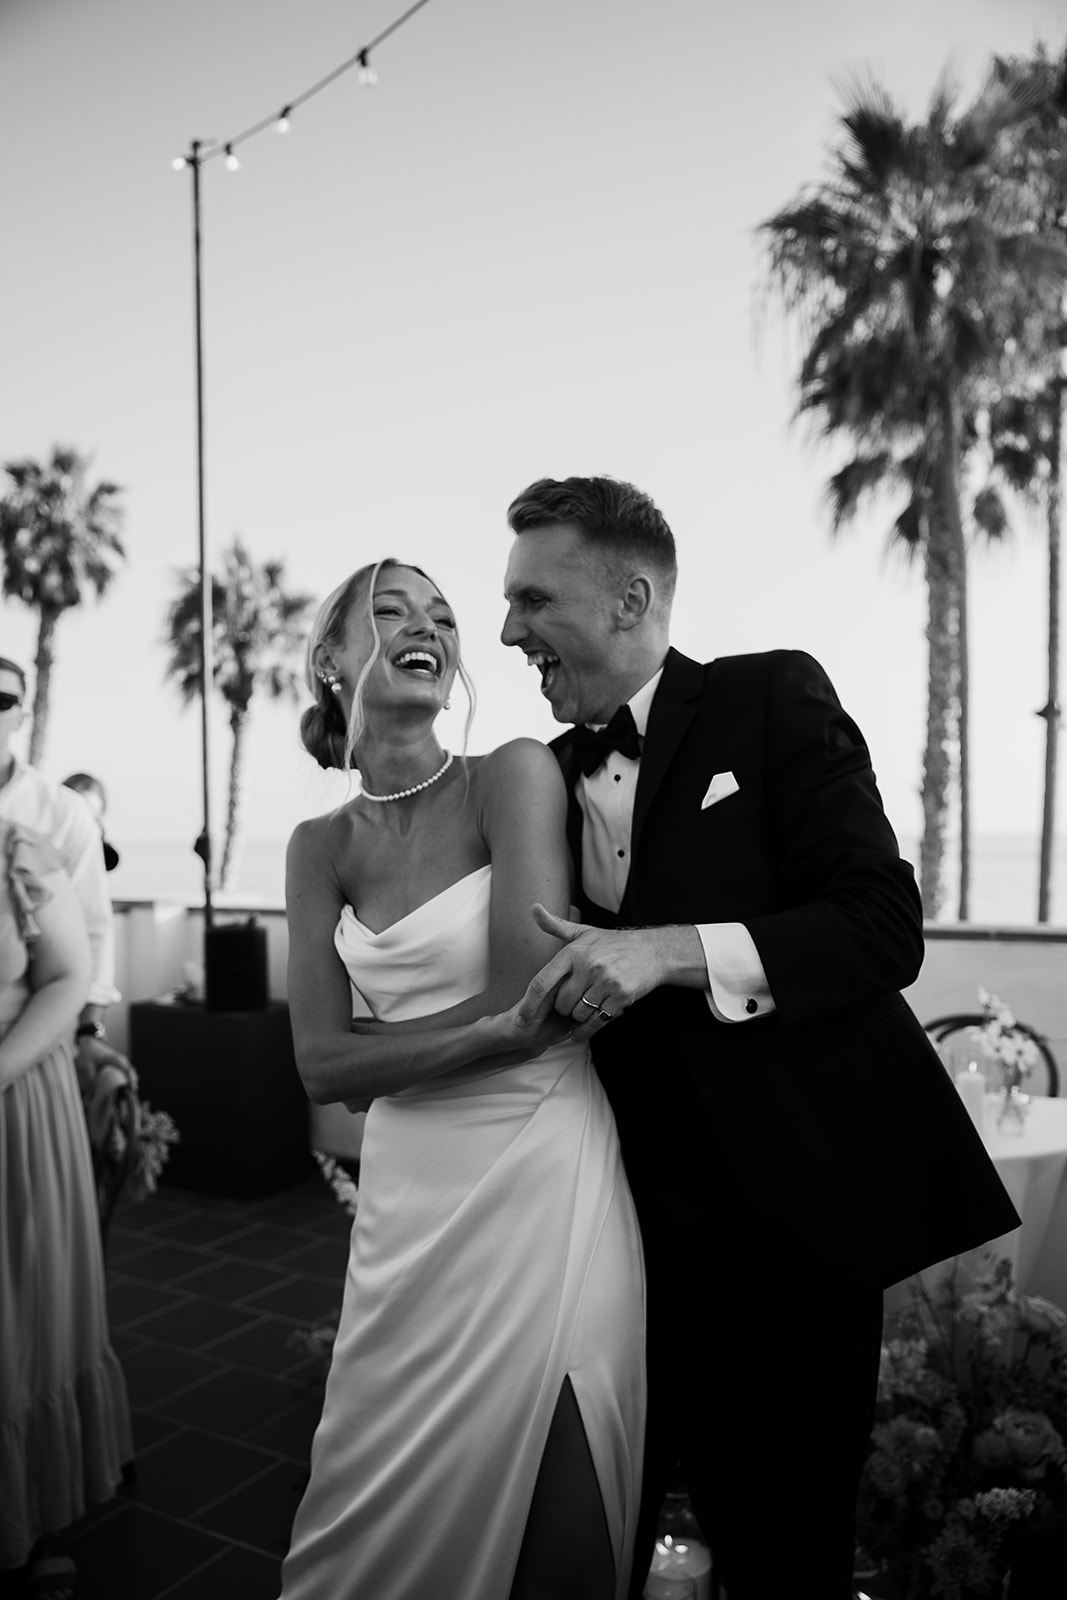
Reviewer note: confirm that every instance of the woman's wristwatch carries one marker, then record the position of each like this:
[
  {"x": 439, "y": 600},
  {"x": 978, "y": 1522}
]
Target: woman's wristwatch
[{"x": 90, "y": 1030}]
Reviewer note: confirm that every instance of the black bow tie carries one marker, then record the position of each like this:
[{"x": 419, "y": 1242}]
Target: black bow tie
[{"x": 592, "y": 745}]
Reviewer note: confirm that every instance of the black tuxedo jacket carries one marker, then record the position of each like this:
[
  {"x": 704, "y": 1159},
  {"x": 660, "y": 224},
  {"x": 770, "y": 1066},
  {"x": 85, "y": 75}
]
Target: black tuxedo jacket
[{"x": 831, "y": 1121}]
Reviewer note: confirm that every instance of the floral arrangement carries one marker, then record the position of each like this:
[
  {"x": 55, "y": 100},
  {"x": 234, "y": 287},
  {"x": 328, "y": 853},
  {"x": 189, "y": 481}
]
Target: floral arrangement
[
  {"x": 154, "y": 1138},
  {"x": 1013, "y": 1050},
  {"x": 129, "y": 1141},
  {"x": 317, "y": 1341},
  {"x": 343, "y": 1186},
  {"x": 967, "y": 1449}
]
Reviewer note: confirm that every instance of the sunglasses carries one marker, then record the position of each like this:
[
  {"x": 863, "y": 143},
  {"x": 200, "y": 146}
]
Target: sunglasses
[{"x": 7, "y": 701}]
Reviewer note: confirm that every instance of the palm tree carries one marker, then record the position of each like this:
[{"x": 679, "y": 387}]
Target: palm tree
[
  {"x": 259, "y": 630},
  {"x": 59, "y": 538},
  {"x": 906, "y": 266},
  {"x": 1026, "y": 448},
  {"x": 1027, "y": 427}
]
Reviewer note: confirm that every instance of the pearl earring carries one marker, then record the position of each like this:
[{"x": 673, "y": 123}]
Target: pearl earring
[
  {"x": 332, "y": 681},
  {"x": 448, "y": 705}
]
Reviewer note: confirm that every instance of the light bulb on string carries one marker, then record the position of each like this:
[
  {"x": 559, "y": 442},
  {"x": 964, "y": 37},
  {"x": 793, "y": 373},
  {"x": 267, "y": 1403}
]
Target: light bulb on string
[
  {"x": 282, "y": 125},
  {"x": 232, "y": 163},
  {"x": 366, "y": 76}
]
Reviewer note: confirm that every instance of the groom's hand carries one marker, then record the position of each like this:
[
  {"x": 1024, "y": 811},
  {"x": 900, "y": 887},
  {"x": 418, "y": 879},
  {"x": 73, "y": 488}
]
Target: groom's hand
[{"x": 596, "y": 975}]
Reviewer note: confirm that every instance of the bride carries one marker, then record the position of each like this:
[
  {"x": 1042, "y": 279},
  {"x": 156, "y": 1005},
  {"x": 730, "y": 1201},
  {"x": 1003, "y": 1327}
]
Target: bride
[{"x": 482, "y": 1428}]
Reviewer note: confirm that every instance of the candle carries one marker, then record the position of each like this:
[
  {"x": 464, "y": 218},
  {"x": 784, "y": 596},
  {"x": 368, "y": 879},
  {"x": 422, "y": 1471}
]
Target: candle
[
  {"x": 971, "y": 1086},
  {"x": 683, "y": 1562}
]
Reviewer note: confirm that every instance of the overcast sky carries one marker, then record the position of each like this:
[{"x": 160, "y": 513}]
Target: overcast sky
[{"x": 530, "y": 250}]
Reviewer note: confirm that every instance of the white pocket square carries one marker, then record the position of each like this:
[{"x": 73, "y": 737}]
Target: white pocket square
[{"x": 721, "y": 785}]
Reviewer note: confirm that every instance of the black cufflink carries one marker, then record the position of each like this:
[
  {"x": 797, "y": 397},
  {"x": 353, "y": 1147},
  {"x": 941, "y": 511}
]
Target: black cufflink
[{"x": 751, "y": 1006}]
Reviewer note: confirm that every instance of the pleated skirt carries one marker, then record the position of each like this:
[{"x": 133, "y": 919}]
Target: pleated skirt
[{"x": 64, "y": 1414}]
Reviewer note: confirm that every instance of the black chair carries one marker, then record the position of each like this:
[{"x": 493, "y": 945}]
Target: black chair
[{"x": 942, "y": 1028}]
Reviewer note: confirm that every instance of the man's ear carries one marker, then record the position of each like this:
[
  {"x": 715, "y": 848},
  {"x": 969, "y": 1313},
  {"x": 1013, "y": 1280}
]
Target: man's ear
[{"x": 636, "y": 601}]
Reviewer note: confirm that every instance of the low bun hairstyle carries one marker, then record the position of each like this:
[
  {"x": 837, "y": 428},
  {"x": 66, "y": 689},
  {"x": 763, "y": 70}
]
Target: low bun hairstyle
[{"x": 323, "y": 732}]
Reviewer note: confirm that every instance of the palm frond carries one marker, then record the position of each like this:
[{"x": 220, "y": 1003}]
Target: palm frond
[
  {"x": 855, "y": 481},
  {"x": 990, "y": 514},
  {"x": 258, "y": 630}
]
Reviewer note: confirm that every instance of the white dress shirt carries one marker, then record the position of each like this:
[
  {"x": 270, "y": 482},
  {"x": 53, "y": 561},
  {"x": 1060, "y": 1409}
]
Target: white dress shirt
[
  {"x": 737, "y": 984},
  {"x": 63, "y": 818}
]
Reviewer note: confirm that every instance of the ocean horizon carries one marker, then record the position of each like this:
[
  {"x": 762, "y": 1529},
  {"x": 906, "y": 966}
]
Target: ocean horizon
[{"x": 1003, "y": 876}]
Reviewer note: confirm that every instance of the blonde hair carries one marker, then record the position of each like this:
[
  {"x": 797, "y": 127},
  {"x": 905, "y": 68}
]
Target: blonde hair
[{"x": 324, "y": 732}]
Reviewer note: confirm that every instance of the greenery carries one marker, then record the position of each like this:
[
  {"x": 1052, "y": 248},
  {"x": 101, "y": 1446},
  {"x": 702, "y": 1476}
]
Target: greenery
[
  {"x": 258, "y": 636},
  {"x": 59, "y": 539},
  {"x": 926, "y": 273},
  {"x": 967, "y": 1450},
  {"x": 318, "y": 1340},
  {"x": 129, "y": 1141}
]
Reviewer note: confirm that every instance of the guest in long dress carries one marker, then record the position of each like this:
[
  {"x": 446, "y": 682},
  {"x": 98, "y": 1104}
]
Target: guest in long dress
[
  {"x": 64, "y": 818},
  {"x": 64, "y": 1415}
]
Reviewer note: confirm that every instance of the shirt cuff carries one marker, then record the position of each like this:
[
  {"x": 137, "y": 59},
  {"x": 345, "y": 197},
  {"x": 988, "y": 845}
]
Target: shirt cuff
[
  {"x": 738, "y": 988},
  {"x": 102, "y": 994}
]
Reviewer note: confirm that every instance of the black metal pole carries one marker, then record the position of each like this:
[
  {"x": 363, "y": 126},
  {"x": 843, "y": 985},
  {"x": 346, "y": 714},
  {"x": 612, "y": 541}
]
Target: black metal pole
[{"x": 203, "y": 843}]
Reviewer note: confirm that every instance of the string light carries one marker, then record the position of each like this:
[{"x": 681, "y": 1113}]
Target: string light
[{"x": 280, "y": 121}]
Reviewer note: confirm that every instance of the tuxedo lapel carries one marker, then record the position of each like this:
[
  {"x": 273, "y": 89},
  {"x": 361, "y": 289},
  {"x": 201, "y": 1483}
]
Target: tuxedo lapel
[
  {"x": 564, "y": 752},
  {"x": 676, "y": 703}
]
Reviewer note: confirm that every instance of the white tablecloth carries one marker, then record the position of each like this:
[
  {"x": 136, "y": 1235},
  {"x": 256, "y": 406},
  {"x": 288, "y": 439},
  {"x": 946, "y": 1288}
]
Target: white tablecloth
[{"x": 1033, "y": 1168}]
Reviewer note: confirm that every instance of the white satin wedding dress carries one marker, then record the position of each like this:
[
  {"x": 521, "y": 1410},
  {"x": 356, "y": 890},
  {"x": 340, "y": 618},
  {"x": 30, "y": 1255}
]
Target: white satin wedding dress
[{"x": 494, "y": 1253}]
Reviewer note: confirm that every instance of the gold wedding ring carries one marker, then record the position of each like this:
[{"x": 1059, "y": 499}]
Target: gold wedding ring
[{"x": 582, "y": 1001}]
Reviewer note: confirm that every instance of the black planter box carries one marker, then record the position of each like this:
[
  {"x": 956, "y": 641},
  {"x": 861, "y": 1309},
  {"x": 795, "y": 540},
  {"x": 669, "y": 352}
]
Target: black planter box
[{"x": 229, "y": 1080}]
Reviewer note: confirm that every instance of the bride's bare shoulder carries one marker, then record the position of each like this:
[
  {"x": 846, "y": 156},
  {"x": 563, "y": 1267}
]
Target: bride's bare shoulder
[
  {"x": 318, "y": 838},
  {"x": 524, "y": 762}
]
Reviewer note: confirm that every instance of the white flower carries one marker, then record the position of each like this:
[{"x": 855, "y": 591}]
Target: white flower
[
  {"x": 1012, "y": 1049},
  {"x": 342, "y": 1185}
]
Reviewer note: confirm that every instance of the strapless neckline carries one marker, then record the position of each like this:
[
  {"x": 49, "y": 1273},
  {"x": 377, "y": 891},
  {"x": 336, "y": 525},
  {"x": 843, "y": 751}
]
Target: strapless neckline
[{"x": 399, "y": 923}]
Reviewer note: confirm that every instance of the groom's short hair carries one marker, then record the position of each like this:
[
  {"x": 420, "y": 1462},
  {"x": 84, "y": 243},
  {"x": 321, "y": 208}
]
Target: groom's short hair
[
  {"x": 614, "y": 516},
  {"x": 7, "y": 665}
]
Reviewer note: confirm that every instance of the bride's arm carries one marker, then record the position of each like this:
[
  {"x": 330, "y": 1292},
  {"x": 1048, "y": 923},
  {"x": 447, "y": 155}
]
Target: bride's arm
[{"x": 521, "y": 806}]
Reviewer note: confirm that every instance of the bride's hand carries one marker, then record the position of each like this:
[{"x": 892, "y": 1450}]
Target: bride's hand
[{"x": 523, "y": 1033}]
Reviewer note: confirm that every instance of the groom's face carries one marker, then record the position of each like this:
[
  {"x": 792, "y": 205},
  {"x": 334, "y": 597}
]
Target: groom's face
[{"x": 563, "y": 614}]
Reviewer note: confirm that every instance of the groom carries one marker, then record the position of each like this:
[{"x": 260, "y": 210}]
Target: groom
[{"x": 791, "y": 1139}]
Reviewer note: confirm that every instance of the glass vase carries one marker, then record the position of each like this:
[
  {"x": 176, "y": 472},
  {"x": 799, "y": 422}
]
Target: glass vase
[{"x": 1014, "y": 1106}]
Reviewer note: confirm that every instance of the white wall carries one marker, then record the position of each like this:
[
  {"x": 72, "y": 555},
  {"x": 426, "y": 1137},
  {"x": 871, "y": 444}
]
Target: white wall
[{"x": 154, "y": 941}]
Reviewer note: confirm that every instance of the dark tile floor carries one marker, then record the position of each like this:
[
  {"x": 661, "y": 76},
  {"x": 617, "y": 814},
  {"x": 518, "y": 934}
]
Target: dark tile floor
[{"x": 204, "y": 1295}]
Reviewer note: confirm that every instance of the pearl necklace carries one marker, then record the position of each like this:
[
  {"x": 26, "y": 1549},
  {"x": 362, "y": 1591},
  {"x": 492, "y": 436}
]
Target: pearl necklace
[{"x": 402, "y": 794}]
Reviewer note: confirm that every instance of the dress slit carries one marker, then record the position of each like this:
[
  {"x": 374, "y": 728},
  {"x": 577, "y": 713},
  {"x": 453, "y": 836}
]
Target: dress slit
[{"x": 577, "y": 1488}]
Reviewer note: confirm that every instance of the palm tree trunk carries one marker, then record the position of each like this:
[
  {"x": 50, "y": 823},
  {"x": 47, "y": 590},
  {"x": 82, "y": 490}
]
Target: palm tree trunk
[
  {"x": 43, "y": 683},
  {"x": 949, "y": 487},
  {"x": 940, "y": 717},
  {"x": 1051, "y": 709},
  {"x": 228, "y": 870}
]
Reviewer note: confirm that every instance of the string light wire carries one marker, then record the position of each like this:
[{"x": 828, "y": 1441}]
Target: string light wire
[
  {"x": 200, "y": 151},
  {"x": 207, "y": 150}
]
